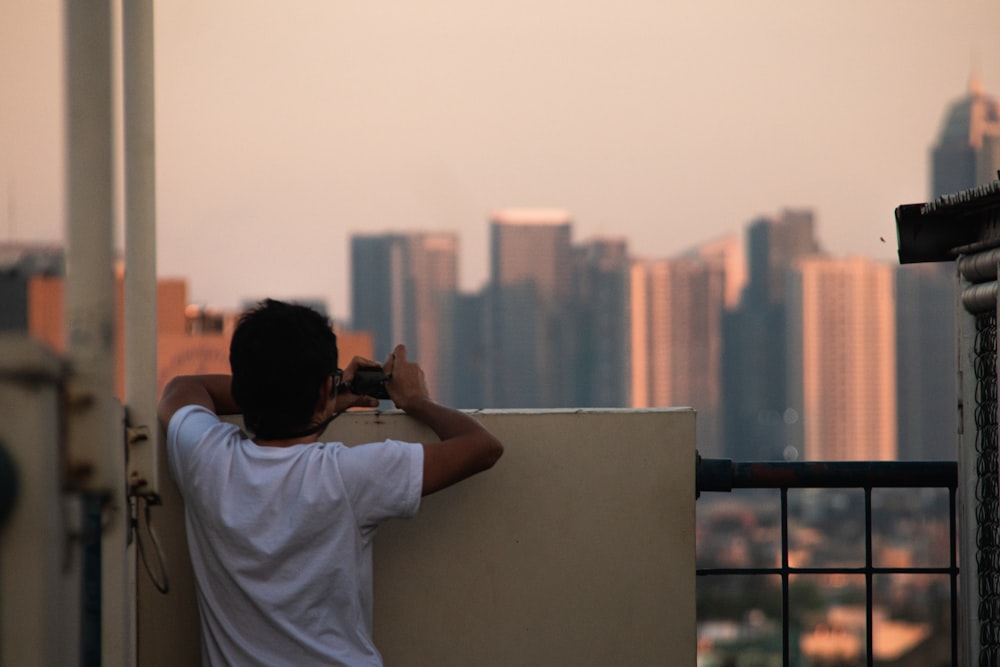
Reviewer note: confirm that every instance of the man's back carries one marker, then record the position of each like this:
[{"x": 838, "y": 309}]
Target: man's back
[
  {"x": 270, "y": 578},
  {"x": 280, "y": 539}
]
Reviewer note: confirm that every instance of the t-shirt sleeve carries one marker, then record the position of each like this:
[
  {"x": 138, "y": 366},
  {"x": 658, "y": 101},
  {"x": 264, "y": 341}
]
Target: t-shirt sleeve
[
  {"x": 186, "y": 429},
  {"x": 384, "y": 480}
]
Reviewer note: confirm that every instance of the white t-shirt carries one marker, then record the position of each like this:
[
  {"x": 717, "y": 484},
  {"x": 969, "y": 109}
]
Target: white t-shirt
[{"x": 280, "y": 539}]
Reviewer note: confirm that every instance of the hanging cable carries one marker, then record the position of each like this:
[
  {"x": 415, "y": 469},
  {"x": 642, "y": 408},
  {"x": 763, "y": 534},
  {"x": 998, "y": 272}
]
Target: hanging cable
[{"x": 159, "y": 578}]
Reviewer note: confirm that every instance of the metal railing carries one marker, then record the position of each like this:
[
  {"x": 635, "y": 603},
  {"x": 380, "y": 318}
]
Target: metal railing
[{"x": 723, "y": 475}]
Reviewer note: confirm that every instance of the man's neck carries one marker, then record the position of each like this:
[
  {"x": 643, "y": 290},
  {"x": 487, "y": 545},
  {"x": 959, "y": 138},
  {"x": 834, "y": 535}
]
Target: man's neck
[
  {"x": 287, "y": 442},
  {"x": 302, "y": 437}
]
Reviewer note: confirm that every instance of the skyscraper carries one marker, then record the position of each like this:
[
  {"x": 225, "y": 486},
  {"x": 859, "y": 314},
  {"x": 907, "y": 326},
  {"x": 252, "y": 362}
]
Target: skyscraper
[
  {"x": 967, "y": 152},
  {"x": 965, "y": 155},
  {"x": 378, "y": 291},
  {"x": 842, "y": 360},
  {"x": 676, "y": 340},
  {"x": 403, "y": 288},
  {"x": 528, "y": 362},
  {"x": 600, "y": 346},
  {"x": 755, "y": 362},
  {"x": 469, "y": 355},
  {"x": 773, "y": 246},
  {"x": 730, "y": 253},
  {"x": 927, "y": 361}
]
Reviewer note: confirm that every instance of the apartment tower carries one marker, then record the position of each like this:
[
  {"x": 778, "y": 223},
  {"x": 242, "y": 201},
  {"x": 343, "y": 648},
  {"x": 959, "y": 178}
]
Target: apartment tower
[
  {"x": 755, "y": 361},
  {"x": 601, "y": 361},
  {"x": 842, "y": 360},
  {"x": 403, "y": 289},
  {"x": 676, "y": 340},
  {"x": 527, "y": 319}
]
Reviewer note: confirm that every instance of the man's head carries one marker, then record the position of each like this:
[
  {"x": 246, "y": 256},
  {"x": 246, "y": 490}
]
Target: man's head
[{"x": 281, "y": 355}]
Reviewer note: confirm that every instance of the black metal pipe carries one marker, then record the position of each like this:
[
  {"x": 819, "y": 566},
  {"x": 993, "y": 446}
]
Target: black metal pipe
[
  {"x": 953, "y": 576},
  {"x": 723, "y": 475},
  {"x": 786, "y": 623},
  {"x": 869, "y": 583},
  {"x": 9, "y": 487}
]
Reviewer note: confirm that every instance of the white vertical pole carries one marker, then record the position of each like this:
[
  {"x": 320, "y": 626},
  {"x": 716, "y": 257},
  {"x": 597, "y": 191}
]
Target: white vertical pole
[
  {"x": 140, "y": 274},
  {"x": 90, "y": 280},
  {"x": 140, "y": 243},
  {"x": 95, "y": 438}
]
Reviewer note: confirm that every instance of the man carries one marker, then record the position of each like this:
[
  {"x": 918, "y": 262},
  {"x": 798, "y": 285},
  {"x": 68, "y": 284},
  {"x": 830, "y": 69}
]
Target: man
[{"x": 280, "y": 524}]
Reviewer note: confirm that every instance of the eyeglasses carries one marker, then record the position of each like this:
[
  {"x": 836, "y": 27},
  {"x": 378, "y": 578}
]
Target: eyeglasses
[{"x": 338, "y": 378}]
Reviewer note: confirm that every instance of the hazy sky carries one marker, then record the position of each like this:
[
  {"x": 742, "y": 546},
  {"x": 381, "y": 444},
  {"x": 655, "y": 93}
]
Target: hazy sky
[{"x": 284, "y": 127}]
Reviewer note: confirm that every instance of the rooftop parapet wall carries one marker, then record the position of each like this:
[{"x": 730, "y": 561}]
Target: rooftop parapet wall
[
  {"x": 577, "y": 548},
  {"x": 963, "y": 223}
]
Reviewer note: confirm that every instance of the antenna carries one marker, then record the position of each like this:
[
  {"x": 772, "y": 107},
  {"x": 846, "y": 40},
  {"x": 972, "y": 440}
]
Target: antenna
[
  {"x": 975, "y": 78},
  {"x": 11, "y": 208}
]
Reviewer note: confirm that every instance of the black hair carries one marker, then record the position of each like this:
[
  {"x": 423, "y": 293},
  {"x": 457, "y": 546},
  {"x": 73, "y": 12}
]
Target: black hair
[{"x": 280, "y": 356}]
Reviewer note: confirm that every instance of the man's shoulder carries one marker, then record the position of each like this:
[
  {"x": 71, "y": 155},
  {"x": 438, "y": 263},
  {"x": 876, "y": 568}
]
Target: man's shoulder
[
  {"x": 193, "y": 413},
  {"x": 380, "y": 460},
  {"x": 190, "y": 424},
  {"x": 376, "y": 448}
]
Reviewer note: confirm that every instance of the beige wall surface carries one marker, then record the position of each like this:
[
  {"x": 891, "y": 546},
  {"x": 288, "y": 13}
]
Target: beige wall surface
[{"x": 577, "y": 548}]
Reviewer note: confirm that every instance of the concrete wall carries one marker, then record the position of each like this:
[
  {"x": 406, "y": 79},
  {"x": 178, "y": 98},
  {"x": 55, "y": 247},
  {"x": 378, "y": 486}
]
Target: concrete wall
[{"x": 577, "y": 548}]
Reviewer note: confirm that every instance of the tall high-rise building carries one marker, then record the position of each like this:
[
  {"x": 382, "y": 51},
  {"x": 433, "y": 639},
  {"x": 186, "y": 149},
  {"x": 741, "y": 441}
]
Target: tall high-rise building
[
  {"x": 676, "y": 340},
  {"x": 378, "y": 289},
  {"x": 403, "y": 289},
  {"x": 527, "y": 323},
  {"x": 730, "y": 252},
  {"x": 927, "y": 361},
  {"x": 601, "y": 367},
  {"x": 842, "y": 351},
  {"x": 967, "y": 152},
  {"x": 773, "y": 246},
  {"x": 755, "y": 363},
  {"x": 469, "y": 355}
]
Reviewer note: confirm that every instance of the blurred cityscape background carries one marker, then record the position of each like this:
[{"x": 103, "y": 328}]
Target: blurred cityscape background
[{"x": 786, "y": 352}]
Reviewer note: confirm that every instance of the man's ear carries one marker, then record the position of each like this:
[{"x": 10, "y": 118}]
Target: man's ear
[{"x": 324, "y": 396}]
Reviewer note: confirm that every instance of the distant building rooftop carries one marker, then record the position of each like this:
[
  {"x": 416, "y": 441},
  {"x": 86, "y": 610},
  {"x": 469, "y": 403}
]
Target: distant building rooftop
[
  {"x": 972, "y": 117},
  {"x": 32, "y": 258},
  {"x": 531, "y": 216}
]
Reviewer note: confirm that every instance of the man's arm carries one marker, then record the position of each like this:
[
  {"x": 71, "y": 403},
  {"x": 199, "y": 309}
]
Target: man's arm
[
  {"x": 466, "y": 446},
  {"x": 210, "y": 391}
]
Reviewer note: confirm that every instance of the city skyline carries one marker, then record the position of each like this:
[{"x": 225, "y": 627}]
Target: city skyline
[
  {"x": 802, "y": 366},
  {"x": 605, "y": 330},
  {"x": 281, "y": 131}
]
